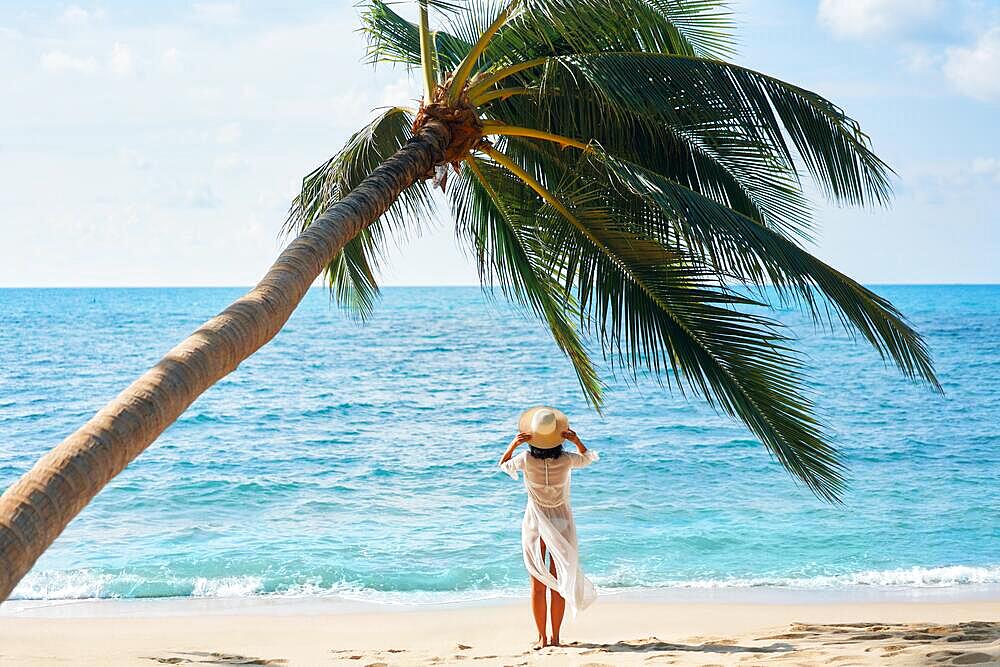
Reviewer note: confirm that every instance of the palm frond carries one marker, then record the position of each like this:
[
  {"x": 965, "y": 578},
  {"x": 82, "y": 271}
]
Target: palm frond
[
  {"x": 706, "y": 25},
  {"x": 641, "y": 190},
  {"x": 687, "y": 92},
  {"x": 533, "y": 28},
  {"x": 393, "y": 39},
  {"x": 740, "y": 248},
  {"x": 652, "y": 309},
  {"x": 561, "y": 27},
  {"x": 473, "y": 60},
  {"x": 351, "y": 274},
  {"x": 757, "y": 256},
  {"x": 448, "y": 7},
  {"x": 490, "y": 209},
  {"x": 722, "y": 162}
]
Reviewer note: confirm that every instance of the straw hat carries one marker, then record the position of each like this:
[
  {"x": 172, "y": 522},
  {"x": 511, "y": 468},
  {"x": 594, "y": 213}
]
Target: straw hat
[{"x": 545, "y": 426}]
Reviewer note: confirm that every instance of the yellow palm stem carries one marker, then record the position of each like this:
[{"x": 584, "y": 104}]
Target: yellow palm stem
[
  {"x": 492, "y": 127},
  {"x": 485, "y": 83},
  {"x": 470, "y": 162},
  {"x": 426, "y": 53},
  {"x": 553, "y": 201},
  {"x": 500, "y": 94},
  {"x": 465, "y": 67},
  {"x": 540, "y": 190}
]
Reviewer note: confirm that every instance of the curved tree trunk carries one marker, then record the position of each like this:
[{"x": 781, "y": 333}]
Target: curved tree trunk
[{"x": 36, "y": 508}]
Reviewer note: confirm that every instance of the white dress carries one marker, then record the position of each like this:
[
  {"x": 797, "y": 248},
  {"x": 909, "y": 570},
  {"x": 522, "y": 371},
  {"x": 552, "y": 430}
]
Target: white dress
[{"x": 549, "y": 518}]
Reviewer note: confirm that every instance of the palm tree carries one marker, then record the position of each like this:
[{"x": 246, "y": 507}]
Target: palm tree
[{"x": 611, "y": 171}]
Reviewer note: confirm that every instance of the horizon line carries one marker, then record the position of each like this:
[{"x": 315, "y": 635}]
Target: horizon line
[{"x": 426, "y": 286}]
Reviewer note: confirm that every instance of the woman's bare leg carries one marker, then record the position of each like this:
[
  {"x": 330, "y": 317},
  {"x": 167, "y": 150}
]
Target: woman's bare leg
[
  {"x": 538, "y": 606},
  {"x": 558, "y": 608}
]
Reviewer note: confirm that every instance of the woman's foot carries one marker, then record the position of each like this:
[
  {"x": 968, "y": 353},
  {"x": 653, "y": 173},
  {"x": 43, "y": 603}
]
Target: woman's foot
[
  {"x": 554, "y": 641},
  {"x": 540, "y": 643}
]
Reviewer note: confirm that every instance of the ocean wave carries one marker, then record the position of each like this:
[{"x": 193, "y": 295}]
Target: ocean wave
[
  {"x": 914, "y": 577},
  {"x": 92, "y": 584},
  {"x": 63, "y": 585},
  {"x": 227, "y": 587}
]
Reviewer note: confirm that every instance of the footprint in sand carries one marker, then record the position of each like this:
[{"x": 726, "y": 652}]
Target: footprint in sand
[
  {"x": 976, "y": 659},
  {"x": 215, "y": 658},
  {"x": 873, "y": 636},
  {"x": 787, "y": 635}
]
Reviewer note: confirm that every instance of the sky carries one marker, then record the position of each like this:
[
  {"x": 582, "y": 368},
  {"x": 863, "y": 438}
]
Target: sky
[{"x": 160, "y": 143}]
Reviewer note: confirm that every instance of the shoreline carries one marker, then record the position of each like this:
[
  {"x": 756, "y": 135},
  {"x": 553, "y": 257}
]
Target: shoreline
[
  {"x": 615, "y": 631},
  {"x": 339, "y": 604}
]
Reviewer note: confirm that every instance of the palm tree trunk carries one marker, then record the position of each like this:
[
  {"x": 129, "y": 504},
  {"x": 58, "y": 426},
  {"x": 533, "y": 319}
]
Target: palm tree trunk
[{"x": 36, "y": 508}]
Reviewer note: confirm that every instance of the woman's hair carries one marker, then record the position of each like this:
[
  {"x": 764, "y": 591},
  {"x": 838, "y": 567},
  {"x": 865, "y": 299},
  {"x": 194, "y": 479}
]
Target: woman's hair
[{"x": 550, "y": 453}]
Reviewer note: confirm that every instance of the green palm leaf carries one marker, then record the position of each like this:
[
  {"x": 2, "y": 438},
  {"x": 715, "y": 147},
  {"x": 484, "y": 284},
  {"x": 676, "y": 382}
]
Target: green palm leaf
[
  {"x": 662, "y": 313},
  {"x": 688, "y": 92},
  {"x": 492, "y": 213},
  {"x": 393, "y": 39},
  {"x": 714, "y": 159},
  {"x": 635, "y": 187},
  {"x": 560, "y": 27},
  {"x": 555, "y": 27},
  {"x": 351, "y": 274},
  {"x": 738, "y": 248},
  {"x": 757, "y": 255}
]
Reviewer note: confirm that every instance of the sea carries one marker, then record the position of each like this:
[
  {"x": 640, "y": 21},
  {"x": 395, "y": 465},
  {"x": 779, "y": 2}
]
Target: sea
[{"x": 358, "y": 460}]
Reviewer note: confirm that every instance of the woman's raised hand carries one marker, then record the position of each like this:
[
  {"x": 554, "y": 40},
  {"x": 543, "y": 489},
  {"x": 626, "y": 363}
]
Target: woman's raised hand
[
  {"x": 571, "y": 435},
  {"x": 518, "y": 440}
]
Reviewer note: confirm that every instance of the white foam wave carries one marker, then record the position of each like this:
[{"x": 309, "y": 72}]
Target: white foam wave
[
  {"x": 914, "y": 577},
  {"x": 86, "y": 583},
  {"x": 63, "y": 585},
  {"x": 227, "y": 587}
]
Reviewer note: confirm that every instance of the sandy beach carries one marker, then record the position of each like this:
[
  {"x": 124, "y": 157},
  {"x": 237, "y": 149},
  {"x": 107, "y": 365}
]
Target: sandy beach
[{"x": 616, "y": 631}]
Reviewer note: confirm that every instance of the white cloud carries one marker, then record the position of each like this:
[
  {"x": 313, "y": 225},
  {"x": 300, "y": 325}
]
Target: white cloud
[
  {"x": 74, "y": 14},
  {"x": 871, "y": 18},
  {"x": 60, "y": 61},
  {"x": 77, "y": 15},
  {"x": 975, "y": 70},
  {"x": 216, "y": 13},
  {"x": 987, "y": 166},
  {"x": 921, "y": 59},
  {"x": 405, "y": 91},
  {"x": 201, "y": 196},
  {"x": 121, "y": 62},
  {"x": 132, "y": 165},
  {"x": 169, "y": 59},
  {"x": 133, "y": 159},
  {"x": 229, "y": 133},
  {"x": 231, "y": 162}
]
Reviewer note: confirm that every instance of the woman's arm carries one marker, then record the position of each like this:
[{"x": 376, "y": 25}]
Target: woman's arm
[
  {"x": 585, "y": 457},
  {"x": 571, "y": 435},
  {"x": 518, "y": 440}
]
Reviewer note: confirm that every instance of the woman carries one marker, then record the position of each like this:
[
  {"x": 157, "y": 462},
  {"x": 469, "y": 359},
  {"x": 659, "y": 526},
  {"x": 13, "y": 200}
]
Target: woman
[{"x": 548, "y": 520}]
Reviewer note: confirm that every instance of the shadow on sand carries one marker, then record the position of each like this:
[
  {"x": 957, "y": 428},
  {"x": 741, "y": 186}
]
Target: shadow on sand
[
  {"x": 214, "y": 658},
  {"x": 653, "y": 644}
]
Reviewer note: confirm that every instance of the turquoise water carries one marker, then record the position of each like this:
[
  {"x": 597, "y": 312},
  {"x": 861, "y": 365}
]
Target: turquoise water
[{"x": 358, "y": 460}]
